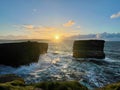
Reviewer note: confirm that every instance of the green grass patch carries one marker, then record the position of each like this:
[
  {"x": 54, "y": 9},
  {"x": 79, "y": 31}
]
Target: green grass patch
[
  {"x": 115, "y": 86},
  {"x": 66, "y": 85}
]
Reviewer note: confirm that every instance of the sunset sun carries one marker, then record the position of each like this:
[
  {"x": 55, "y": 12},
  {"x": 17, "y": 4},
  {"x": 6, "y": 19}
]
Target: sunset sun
[{"x": 57, "y": 37}]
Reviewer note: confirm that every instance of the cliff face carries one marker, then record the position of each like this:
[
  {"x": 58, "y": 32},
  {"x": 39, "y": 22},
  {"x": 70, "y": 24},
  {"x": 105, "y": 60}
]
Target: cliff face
[
  {"x": 16, "y": 54},
  {"x": 88, "y": 49}
]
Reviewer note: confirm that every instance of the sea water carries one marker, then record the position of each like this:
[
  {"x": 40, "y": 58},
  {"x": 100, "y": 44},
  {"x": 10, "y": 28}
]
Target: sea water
[{"x": 59, "y": 65}]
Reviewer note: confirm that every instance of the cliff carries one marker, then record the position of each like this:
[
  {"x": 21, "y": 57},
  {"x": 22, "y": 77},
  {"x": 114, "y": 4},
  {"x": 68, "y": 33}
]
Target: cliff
[
  {"x": 16, "y": 54},
  {"x": 89, "y": 49}
]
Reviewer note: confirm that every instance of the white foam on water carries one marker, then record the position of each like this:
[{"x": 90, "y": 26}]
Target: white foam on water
[
  {"x": 64, "y": 67},
  {"x": 111, "y": 60}
]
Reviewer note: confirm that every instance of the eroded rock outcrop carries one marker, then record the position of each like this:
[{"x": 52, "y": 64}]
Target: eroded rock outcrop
[
  {"x": 89, "y": 49},
  {"x": 16, "y": 54}
]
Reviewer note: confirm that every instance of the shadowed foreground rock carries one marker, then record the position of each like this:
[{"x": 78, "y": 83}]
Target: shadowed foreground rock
[
  {"x": 16, "y": 54},
  {"x": 89, "y": 49}
]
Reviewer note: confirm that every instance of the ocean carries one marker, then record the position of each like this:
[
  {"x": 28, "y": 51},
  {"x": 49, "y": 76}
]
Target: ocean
[{"x": 59, "y": 65}]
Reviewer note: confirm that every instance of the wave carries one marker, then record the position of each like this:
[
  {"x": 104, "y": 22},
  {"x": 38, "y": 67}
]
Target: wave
[{"x": 54, "y": 66}]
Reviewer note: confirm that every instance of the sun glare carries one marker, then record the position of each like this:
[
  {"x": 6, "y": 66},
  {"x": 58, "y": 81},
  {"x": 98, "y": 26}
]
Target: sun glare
[{"x": 57, "y": 37}]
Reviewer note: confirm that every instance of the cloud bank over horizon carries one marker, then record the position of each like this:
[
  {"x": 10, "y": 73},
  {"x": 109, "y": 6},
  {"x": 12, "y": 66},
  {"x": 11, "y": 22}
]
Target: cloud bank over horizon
[
  {"x": 13, "y": 37},
  {"x": 105, "y": 36}
]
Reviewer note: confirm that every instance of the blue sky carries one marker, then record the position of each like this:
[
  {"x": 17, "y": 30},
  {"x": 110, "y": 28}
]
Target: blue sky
[{"x": 45, "y": 18}]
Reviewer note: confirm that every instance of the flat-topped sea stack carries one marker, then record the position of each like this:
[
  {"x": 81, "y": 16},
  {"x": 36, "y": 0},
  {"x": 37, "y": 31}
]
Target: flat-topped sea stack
[
  {"x": 89, "y": 49},
  {"x": 16, "y": 54}
]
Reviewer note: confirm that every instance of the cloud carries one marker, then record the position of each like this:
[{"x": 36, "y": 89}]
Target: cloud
[
  {"x": 109, "y": 36},
  {"x": 13, "y": 37},
  {"x": 34, "y": 10},
  {"x": 38, "y": 28},
  {"x": 69, "y": 23},
  {"x": 28, "y": 26},
  {"x": 38, "y": 31},
  {"x": 117, "y": 15},
  {"x": 35, "y": 35},
  {"x": 25, "y": 26},
  {"x": 47, "y": 28},
  {"x": 78, "y": 27},
  {"x": 88, "y": 36},
  {"x": 104, "y": 36}
]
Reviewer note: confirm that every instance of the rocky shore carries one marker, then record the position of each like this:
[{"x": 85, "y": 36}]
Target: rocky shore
[{"x": 14, "y": 82}]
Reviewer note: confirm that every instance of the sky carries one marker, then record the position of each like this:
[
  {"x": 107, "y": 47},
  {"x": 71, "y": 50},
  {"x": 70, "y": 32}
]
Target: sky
[{"x": 43, "y": 19}]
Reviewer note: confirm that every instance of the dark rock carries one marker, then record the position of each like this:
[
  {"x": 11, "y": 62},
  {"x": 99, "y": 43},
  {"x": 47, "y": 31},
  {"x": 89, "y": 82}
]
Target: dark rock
[
  {"x": 89, "y": 49},
  {"x": 16, "y": 54}
]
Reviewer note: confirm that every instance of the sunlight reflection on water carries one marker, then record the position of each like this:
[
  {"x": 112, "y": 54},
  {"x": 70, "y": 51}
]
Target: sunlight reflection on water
[{"x": 58, "y": 64}]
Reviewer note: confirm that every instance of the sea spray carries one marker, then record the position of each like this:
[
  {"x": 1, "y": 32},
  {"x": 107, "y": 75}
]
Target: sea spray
[{"x": 62, "y": 66}]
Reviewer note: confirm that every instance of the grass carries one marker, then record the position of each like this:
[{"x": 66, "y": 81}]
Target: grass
[
  {"x": 66, "y": 85},
  {"x": 13, "y": 82},
  {"x": 114, "y": 86},
  {"x": 15, "y": 85},
  {"x": 20, "y": 85}
]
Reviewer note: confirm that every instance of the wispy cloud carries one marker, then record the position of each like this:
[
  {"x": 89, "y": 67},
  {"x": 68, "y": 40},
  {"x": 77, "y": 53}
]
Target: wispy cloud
[
  {"x": 39, "y": 31},
  {"x": 34, "y": 10},
  {"x": 78, "y": 27},
  {"x": 13, "y": 37},
  {"x": 38, "y": 28},
  {"x": 25, "y": 26},
  {"x": 117, "y": 15},
  {"x": 69, "y": 23},
  {"x": 28, "y": 26}
]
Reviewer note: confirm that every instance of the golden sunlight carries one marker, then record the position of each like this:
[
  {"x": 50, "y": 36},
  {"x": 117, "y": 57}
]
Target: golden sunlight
[{"x": 57, "y": 37}]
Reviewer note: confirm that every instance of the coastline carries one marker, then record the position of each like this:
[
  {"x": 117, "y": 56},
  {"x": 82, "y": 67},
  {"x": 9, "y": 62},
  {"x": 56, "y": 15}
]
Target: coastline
[
  {"x": 14, "y": 82},
  {"x": 69, "y": 58}
]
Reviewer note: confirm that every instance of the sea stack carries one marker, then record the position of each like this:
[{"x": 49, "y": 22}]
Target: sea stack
[
  {"x": 16, "y": 54},
  {"x": 89, "y": 49}
]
